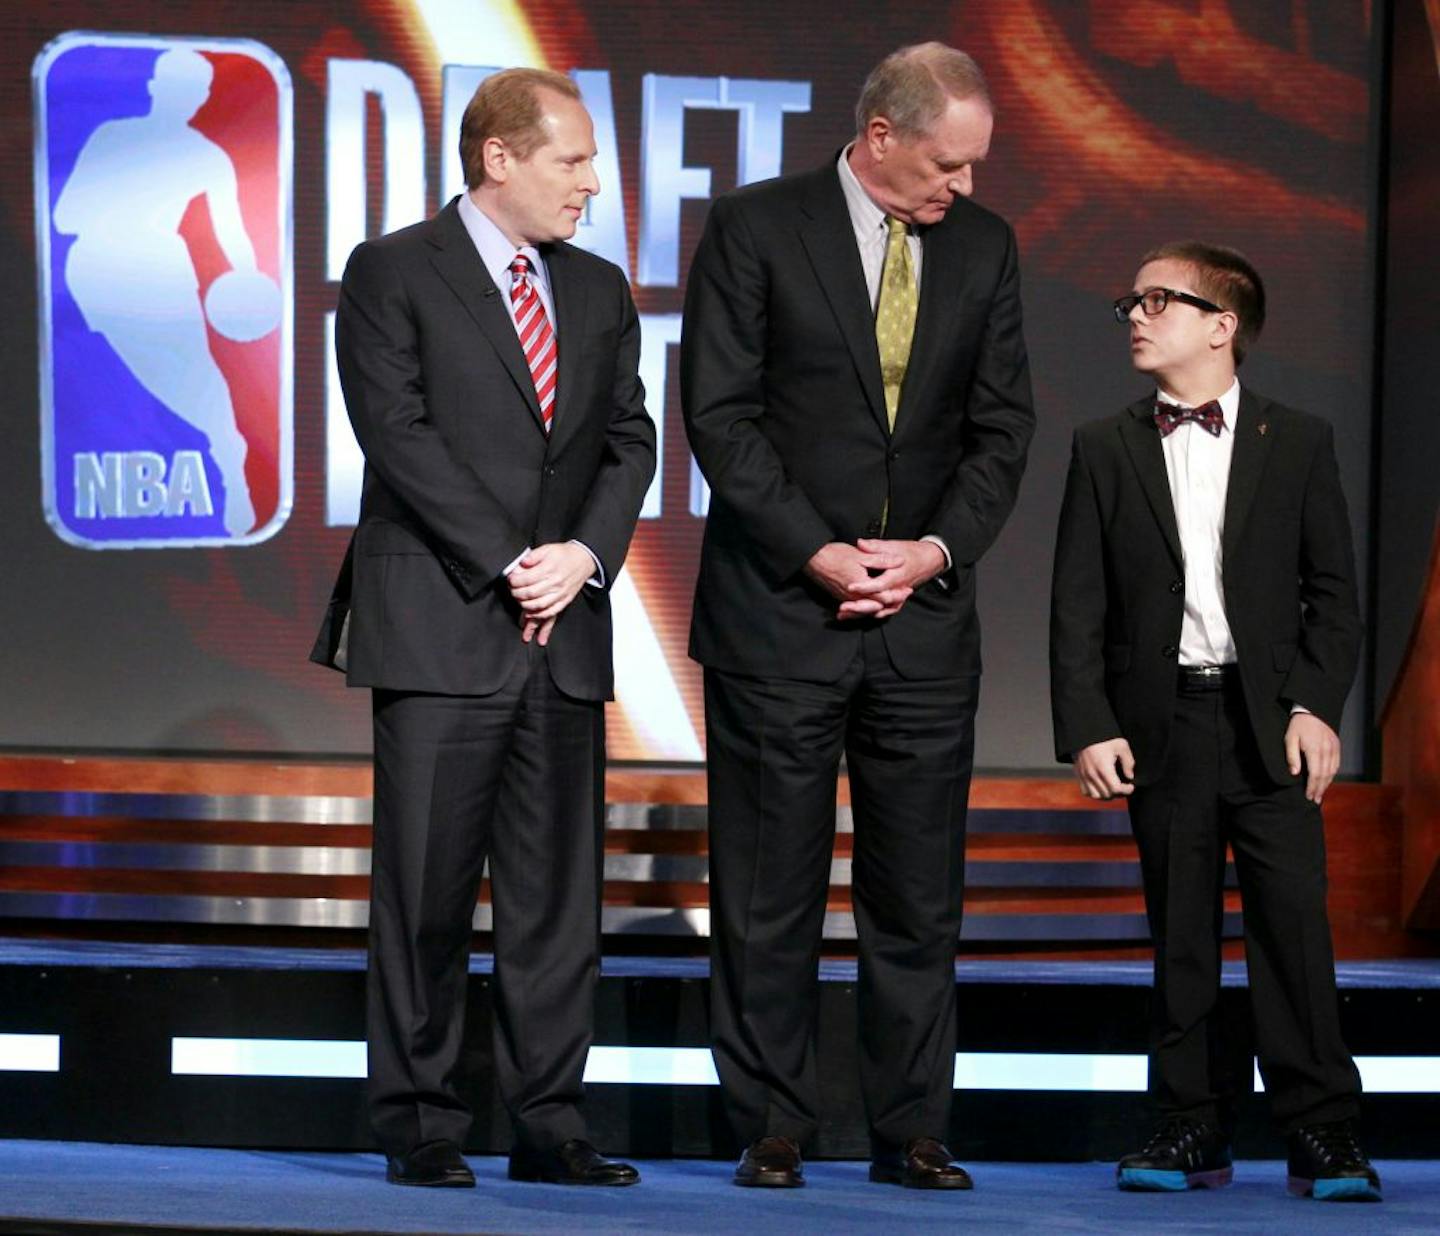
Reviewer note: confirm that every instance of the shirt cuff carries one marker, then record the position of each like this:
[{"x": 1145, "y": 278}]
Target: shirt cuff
[
  {"x": 516, "y": 563},
  {"x": 940, "y": 579},
  {"x": 1300, "y": 708},
  {"x": 598, "y": 579}
]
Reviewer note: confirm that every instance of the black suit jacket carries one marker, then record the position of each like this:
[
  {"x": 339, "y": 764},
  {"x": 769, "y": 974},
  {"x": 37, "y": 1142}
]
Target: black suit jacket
[
  {"x": 785, "y": 409},
  {"x": 1288, "y": 578},
  {"x": 460, "y": 476}
]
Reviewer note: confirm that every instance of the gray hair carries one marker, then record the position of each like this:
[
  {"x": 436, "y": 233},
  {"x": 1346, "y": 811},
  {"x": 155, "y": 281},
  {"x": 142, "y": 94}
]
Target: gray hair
[{"x": 912, "y": 86}]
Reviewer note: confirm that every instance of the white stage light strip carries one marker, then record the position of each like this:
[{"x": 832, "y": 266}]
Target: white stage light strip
[
  {"x": 267, "y": 1057},
  {"x": 29, "y": 1053},
  {"x": 1023, "y": 1070},
  {"x": 693, "y": 1066},
  {"x": 651, "y": 1066},
  {"x": 1390, "y": 1074}
]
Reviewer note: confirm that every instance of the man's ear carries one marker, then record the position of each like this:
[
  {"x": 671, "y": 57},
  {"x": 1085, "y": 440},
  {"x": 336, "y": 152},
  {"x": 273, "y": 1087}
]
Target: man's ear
[
  {"x": 496, "y": 157},
  {"x": 879, "y": 136}
]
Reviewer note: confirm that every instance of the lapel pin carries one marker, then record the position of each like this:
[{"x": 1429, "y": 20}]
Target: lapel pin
[{"x": 1263, "y": 427}]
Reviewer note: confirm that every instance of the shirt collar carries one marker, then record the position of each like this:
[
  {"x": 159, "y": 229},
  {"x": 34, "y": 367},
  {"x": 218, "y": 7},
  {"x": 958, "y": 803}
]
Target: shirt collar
[
  {"x": 865, "y": 216},
  {"x": 495, "y": 250},
  {"x": 1229, "y": 403}
]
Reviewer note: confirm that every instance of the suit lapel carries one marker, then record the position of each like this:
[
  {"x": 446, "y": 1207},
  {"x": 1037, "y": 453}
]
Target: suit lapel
[
  {"x": 829, "y": 240},
  {"x": 1253, "y": 436},
  {"x": 1142, "y": 441},
  {"x": 940, "y": 287},
  {"x": 456, "y": 261},
  {"x": 568, "y": 292}
]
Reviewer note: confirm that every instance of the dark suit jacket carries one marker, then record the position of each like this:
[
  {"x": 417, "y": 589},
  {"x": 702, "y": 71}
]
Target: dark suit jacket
[
  {"x": 1118, "y": 596},
  {"x": 460, "y": 475},
  {"x": 785, "y": 409}
]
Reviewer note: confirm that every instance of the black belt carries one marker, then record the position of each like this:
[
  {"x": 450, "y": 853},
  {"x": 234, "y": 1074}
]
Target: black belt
[{"x": 1207, "y": 677}]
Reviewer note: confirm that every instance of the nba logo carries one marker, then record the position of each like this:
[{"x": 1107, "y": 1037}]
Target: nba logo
[{"x": 162, "y": 210}]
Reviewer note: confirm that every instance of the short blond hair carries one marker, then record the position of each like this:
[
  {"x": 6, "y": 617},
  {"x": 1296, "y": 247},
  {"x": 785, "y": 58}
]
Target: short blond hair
[
  {"x": 1226, "y": 277},
  {"x": 912, "y": 86},
  {"x": 507, "y": 105}
]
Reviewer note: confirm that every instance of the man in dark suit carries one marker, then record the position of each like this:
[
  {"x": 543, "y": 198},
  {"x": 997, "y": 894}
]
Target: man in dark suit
[
  {"x": 857, "y": 394},
  {"x": 1204, "y": 634},
  {"x": 501, "y": 491}
]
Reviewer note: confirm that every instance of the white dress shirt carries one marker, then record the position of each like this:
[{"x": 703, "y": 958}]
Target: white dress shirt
[
  {"x": 871, "y": 234},
  {"x": 497, "y": 253},
  {"x": 1198, "y": 465},
  {"x": 871, "y": 238}
]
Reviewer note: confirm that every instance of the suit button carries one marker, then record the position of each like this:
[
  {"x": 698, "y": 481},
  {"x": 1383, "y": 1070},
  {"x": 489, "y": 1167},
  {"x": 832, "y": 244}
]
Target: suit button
[
  {"x": 549, "y": 471},
  {"x": 1177, "y": 585},
  {"x": 1169, "y": 651},
  {"x": 872, "y": 528},
  {"x": 894, "y": 455}
]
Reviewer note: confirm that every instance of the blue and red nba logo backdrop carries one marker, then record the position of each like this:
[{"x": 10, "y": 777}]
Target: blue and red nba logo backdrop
[{"x": 162, "y": 195}]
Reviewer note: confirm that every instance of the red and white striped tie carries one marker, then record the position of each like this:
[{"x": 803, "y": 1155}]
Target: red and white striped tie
[{"x": 537, "y": 340}]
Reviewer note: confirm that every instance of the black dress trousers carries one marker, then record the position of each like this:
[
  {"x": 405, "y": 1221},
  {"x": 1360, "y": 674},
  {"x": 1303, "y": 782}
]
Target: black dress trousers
[
  {"x": 518, "y": 777},
  {"x": 1215, "y": 790},
  {"x": 774, "y": 748}
]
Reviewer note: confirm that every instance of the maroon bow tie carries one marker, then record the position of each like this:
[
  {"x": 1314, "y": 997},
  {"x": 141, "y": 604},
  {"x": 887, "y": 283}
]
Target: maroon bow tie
[{"x": 1169, "y": 417}]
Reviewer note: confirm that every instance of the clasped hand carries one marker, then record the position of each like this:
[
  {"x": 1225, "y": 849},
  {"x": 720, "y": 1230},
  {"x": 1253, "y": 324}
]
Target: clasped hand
[
  {"x": 874, "y": 578},
  {"x": 544, "y": 582}
]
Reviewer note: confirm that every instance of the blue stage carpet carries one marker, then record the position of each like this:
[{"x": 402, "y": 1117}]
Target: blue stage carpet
[{"x": 55, "y": 1187}]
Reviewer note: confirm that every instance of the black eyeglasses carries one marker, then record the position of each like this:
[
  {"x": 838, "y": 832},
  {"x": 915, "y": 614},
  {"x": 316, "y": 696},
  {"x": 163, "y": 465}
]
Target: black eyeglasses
[{"x": 1154, "y": 301}]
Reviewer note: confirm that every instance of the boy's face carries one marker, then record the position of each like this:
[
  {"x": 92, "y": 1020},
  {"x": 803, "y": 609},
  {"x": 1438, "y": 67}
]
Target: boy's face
[{"x": 1182, "y": 337}]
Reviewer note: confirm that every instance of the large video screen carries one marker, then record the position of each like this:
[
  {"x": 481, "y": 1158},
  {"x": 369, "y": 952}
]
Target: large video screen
[{"x": 183, "y": 182}]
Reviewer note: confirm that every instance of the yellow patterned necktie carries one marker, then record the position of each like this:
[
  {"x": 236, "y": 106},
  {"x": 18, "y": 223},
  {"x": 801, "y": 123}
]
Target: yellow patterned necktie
[{"x": 895, "y": 314}]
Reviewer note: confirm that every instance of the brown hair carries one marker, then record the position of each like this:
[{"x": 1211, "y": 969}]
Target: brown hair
[
  {"x": 912, "y": 86},
  {"x": 1226, "y": 277},
  {"x": 507, "y": 105}
]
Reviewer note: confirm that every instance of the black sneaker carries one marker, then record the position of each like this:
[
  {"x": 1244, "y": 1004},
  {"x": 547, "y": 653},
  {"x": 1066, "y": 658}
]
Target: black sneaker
[
  {"x": 1182, "y": 1154},
  {"x": 1326, "y": 1163}
]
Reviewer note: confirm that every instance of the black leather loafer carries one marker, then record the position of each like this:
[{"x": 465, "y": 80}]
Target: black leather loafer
[
  {"x": 574, "y": 1162},
  {"x": 925, "y": 1163},
  {"x": 771, "y": 1163},
  {"x": 431, "y": 1165}
]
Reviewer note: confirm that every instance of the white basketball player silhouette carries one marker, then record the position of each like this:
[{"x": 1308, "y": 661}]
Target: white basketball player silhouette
[{"x": 131, "y": 273}]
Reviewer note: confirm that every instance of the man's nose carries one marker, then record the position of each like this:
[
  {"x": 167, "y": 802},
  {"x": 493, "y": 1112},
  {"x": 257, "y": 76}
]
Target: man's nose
[{"x": 962, "y": 183}]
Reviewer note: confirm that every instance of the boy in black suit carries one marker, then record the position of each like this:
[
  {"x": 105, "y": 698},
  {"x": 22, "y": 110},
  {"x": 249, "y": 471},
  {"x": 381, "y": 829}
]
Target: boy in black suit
[{"x": 1204, "y": 634}]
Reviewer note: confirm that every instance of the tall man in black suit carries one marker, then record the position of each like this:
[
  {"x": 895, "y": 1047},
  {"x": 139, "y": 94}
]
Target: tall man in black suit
[
  {"x": 1204, "y": 634},
  {"x": 501, "y": 490},
  {"x": 857, "y": 395}
]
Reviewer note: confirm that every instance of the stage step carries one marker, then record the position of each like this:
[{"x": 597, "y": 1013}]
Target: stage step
[{"x": 228, "y": 1046}]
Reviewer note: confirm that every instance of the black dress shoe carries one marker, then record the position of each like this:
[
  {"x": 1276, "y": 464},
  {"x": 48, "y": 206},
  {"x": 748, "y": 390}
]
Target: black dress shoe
[
  {"x": 1182, "y": 1154},
  {"x": 574, "y": 1162},
  {"x": 432, "y": 1165},
  {"x": 771, "y": 1163},
  {"x": 925, "y": 1163},
  {"x": 1326, "y": 1163}
]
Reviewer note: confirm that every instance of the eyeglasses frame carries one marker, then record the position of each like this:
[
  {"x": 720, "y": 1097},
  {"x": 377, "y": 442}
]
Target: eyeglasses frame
[{"x": 1125, "y": 305}]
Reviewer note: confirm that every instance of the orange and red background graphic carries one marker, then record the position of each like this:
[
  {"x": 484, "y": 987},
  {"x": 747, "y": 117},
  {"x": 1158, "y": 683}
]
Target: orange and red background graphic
[{"x": 1119, "y": 126}]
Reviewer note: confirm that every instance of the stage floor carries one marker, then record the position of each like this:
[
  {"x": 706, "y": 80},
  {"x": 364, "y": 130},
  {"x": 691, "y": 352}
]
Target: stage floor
[{"x": 59, "y": 1187}]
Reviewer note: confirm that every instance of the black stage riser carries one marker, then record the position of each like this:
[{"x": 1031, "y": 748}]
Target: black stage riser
[{"x": 115, "y": 1082}]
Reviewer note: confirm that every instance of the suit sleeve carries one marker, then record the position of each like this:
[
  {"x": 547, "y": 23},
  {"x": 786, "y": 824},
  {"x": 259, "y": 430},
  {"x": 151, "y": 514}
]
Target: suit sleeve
[
  {"x": 377, "y": 348},
  {"x": 1078, "y": 599},
  {"x": 722, "y": 383},
  {"x": 1330, "y": 627},
  {"x": 999, "y": 423},
  {"x": 607, "y": 521}
]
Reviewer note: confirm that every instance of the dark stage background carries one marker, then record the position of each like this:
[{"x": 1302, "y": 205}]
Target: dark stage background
[{"x": 1120, "y": 125}]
